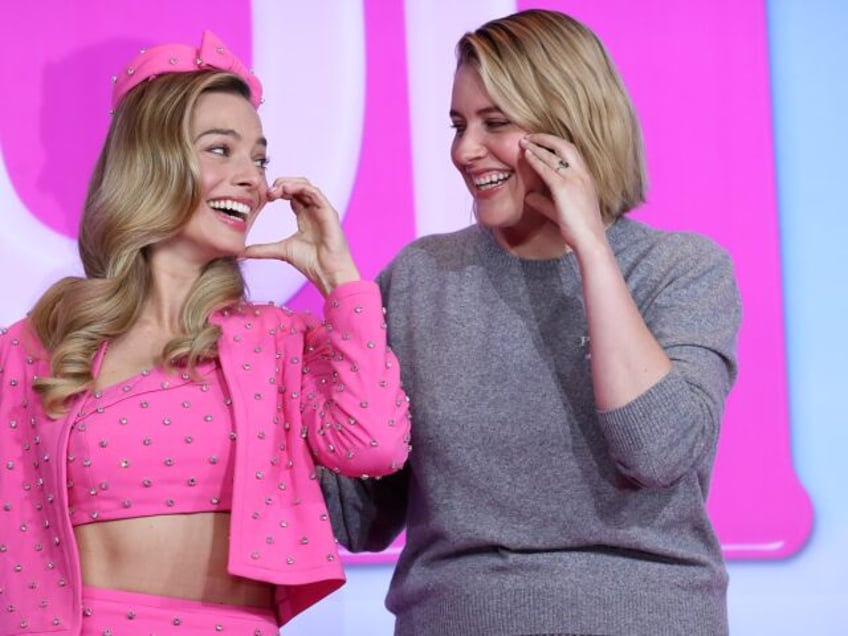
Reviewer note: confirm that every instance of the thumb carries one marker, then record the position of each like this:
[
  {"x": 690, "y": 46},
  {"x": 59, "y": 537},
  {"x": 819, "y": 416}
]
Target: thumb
[{"x": 277, "y": 250}]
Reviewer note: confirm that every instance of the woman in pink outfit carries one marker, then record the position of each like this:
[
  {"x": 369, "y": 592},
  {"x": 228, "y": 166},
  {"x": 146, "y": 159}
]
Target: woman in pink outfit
[{"x": 160, "y": 434}]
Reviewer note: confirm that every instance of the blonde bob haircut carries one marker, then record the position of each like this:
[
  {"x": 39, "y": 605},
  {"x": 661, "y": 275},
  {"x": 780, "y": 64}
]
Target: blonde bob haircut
[
  {"x": 549, "y": 73},
  {"x": 144, "y": 189}
]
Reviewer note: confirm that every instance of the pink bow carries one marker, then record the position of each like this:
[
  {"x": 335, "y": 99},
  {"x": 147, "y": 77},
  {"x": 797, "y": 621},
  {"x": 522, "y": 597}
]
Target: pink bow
[{"x": 183, "y": 58}]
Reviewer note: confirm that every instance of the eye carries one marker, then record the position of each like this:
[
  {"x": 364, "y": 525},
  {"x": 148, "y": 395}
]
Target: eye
[
  {"x": 262, "y": 162},
  {"x": 458, "y": 127},
  {"x": 497, "y": 123},
  {"x": 221, "y": 149}
]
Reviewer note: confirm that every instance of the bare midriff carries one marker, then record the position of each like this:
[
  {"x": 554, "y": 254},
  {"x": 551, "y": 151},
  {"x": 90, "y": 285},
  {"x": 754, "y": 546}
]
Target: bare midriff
[{"x": 181, "y": 556}]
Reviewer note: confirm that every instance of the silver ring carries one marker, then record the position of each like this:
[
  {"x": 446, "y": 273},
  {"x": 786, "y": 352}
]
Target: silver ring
[{"x": 562, "y": 165}]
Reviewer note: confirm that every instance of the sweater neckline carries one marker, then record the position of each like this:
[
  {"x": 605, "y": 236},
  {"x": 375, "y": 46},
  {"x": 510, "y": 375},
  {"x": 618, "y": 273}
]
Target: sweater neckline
[{"x": 498, "y": 255}]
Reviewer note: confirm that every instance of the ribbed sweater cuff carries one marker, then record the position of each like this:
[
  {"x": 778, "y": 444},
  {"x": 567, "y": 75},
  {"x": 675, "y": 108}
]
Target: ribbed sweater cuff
[{"x": 635, "y": 426}]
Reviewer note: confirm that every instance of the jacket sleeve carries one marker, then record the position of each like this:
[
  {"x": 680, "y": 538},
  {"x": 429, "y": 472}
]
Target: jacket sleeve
[
  {"x": 355, "y": 414},
  {"x": 367, "y": 514},
  {"x": 35, "y": 563},
  {"x": 694, "y": 311}
]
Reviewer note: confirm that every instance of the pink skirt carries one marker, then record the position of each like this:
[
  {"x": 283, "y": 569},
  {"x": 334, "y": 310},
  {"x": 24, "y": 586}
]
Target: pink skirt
[{"x": 119, "y": 613}]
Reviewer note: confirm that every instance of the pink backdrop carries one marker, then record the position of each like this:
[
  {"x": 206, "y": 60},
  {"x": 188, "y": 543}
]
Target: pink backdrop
[{"x": 698, "y": 73}]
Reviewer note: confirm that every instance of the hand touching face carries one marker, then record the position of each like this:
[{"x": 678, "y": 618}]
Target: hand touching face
[{"x": 318, "y": 249}]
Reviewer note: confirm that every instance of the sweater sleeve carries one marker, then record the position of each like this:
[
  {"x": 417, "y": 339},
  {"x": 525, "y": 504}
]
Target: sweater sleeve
[
  {"x": 367, "y": 514},
  {"x": 692, "y": 307},
  {"x": 354, "y": 412}
]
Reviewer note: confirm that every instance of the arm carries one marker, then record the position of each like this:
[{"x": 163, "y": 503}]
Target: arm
[
  {"x": 354, "y": 410},
  {"x": 662, "y": 371},
  {"x": 367, "y": 514},
  {"x": 667, "y": 430},
  {"x": 626, "y": 359}
]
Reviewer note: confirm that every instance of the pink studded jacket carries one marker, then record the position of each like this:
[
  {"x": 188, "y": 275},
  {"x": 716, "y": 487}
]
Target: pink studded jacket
[{"x": 304, "y": 392}]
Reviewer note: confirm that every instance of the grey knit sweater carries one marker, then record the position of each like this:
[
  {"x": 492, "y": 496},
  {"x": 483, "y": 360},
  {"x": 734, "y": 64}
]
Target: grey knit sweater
[{"x": 527, "y": 511}]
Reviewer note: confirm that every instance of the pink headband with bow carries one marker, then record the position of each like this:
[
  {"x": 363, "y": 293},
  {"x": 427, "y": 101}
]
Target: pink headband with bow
[{"x": 183, "y": 58}]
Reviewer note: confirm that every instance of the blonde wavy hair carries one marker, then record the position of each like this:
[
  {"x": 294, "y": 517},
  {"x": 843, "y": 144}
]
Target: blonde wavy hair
[
  {"x": 144, "y": 189},
  {"x": 549, "y": 73}
]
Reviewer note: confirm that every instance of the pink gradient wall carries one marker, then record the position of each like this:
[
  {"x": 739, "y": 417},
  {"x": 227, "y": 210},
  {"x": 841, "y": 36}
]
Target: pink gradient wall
[{"x": 698, "y": 73}]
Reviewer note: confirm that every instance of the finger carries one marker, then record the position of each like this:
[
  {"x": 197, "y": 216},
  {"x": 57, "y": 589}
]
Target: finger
[
  {"x": 555, "y": 144},
  {"x": 281, "y": 181},
  {"x": 302, "y": 190},
  {"x": 306, "y": 198},
  {"x": 547, "y": 165},
  {"x": 541, "y": 158},
  {"x": 278, "y": 189},
  {"x": 315, "y": 214},
  {"x": 554, "y": 149},
  {"x": 278, "y": 250}
]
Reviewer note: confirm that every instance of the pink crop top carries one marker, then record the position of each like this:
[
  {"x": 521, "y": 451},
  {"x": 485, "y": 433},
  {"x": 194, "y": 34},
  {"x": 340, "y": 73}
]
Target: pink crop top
[{"x": 158, "y": 443}]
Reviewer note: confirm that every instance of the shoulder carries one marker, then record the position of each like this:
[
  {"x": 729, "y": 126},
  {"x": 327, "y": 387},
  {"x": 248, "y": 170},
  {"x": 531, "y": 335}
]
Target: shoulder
[
  {"x": 677, "y": 274},
  {"x": 248, "y": 315},
  {"x": 434, "y": 251},
  {"x": 13, "y": 331},
  {"x": 638, "y": 245},
  {"x": 437, "y": 246},
  {"x": 21, "y": 356},
  {"x": 20, "y": 337}
]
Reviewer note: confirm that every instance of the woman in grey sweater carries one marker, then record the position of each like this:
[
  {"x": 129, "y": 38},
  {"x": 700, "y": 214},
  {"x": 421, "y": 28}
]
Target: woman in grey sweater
[{"x": 567, "y": 369}]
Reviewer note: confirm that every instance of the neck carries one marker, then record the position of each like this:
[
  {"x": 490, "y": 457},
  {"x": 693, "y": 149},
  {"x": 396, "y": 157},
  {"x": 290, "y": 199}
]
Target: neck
[
  {"x": 171, "y": 282},
  {"x": 533, "y": 239}
]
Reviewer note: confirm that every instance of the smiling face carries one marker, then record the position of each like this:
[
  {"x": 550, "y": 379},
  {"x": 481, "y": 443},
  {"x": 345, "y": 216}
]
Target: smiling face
[
  {"x": 231, "y": 154},
  {"x": 486, "y": 152}
]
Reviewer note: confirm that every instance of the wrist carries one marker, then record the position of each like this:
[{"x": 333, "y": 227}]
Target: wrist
[{"x": 329, "y": 282}]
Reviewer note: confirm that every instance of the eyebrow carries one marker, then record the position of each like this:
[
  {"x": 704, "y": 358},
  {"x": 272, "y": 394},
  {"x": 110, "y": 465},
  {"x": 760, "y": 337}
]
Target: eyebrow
[
  {"x": 489, "y": 110},
  {"x": 229, "y": 132}
]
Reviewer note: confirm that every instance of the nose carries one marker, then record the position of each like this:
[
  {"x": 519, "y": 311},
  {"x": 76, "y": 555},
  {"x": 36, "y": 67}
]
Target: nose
[
  {"x": 248, "y": 174},
  {"x": 468, "y": 147}
]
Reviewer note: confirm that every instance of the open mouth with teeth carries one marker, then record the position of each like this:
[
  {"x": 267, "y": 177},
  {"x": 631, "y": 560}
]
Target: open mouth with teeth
[
  {"x": 491, "y": 180},
  {"x": 234, "y": 209}
]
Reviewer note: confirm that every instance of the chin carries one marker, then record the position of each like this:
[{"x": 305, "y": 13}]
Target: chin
[
  {"x": 495, "y": 220},
  {"x": 224, "y": 253}
]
